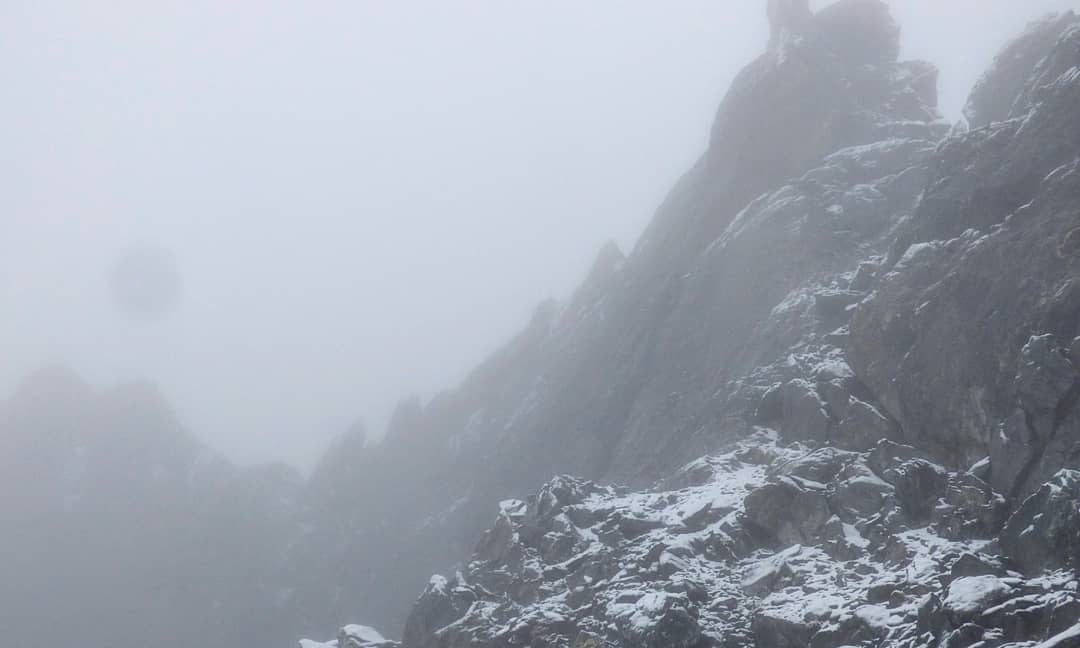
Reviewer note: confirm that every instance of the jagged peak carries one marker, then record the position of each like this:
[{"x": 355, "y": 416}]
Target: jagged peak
[
  {"x": 407, "y": 416},
  {"x": 1000, "y": 92},
  {"x": 787, "y": 17},
  {"x": 860, "y": 31},
  {"x": 608, "y": 261}
]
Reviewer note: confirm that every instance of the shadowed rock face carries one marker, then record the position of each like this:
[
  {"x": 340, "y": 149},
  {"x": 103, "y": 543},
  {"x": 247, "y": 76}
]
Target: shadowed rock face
[
  {"x": 984, "y": 176},
  {"x": 954, "y": 338}
]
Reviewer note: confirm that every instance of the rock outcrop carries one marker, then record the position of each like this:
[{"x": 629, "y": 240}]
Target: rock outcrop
[{"x": 965, "y": 336}]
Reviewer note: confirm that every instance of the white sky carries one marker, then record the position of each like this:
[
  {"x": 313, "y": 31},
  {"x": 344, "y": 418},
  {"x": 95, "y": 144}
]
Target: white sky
[{"x": 364, "y": 197}]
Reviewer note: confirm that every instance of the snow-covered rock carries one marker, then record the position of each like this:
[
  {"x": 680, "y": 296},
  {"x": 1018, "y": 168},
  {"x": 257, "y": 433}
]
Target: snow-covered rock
[
  {"x": 880, "y": 580},
  {"x": 353, "y": 636}
]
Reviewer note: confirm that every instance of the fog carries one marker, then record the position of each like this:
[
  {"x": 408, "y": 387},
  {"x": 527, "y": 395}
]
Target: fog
[{"x": 360, "y": 199}]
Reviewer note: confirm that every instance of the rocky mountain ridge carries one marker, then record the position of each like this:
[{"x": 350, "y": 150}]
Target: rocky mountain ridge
[{"x": 873, "y": 357}]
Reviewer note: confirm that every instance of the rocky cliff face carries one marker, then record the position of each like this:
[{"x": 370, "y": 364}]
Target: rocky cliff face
[
  {"x": 853, "y": 326},
  {"x": 658, "y": 356}
]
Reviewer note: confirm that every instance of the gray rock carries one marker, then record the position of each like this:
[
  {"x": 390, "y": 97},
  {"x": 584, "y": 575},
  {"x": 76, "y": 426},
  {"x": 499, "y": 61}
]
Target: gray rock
[
  {"x": 863, "y": 426},
  {"x": 1044, "y": 375},
  {"x": 997, "y": 94},
  {"x": 664, "y": 620},
  {"x": 918, "y": 484},
  {"x": 356, "y": 636},
  {"x": 1013, "y": 448},
  {"x": 887, "y": 457},
  {"x": 821, "y": 465},
  {"x": 833, "y": 305},
  {"x": 973, "y": 564},
  {"x": 781, "y": 632},
  {"x": 968, "y": 596},
  {"x": 1043, "y": 531},
  {"x": 786, "y": 512},
  {"x": 859, "y": 493},
  {"x": 805, "y": 416}
]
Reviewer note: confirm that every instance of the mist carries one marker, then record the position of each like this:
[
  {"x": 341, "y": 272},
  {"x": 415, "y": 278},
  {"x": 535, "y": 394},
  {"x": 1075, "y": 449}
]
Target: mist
[
  {"x": 362, "y": 199},
  {"x": 747, "y": 322}
]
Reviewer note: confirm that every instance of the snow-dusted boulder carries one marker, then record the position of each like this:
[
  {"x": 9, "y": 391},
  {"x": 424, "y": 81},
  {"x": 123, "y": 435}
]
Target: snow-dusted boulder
[{"x": 353, "y": 636}]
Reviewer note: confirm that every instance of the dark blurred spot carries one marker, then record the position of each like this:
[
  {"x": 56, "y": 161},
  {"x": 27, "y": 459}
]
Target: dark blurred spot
[{"x": 145, "y": 282}]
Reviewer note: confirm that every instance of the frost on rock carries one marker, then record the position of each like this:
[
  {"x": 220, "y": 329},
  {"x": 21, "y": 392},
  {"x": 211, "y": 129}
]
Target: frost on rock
[
  {"x": 703, "y": 559},
  {"x": 353, "y": 636},
  {"x": 971, "y": 594}
]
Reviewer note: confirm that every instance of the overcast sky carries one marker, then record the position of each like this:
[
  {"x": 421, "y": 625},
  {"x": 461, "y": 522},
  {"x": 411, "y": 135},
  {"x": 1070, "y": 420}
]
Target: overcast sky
[{"x": 363, "y": 198}]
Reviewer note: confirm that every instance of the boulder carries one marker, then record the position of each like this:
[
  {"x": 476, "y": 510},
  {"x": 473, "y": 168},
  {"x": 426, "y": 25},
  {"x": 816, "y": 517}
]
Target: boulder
[
  {"x": 787, "y": 512},
  {"x": 361, "y": 636},
  {"x": 659, "y": 620},
  {"x": 938, "y": 339},
  {"x": 858, "y": 493},
  {"x": 919, "y": 484},
  {"x": 976, "y": 564},
  {"x": 805, "y": 416},
  {"x": 437, "y": 607},
  {"x": 821, "y": 465},
  {"x": 779, "y": 631},
  {"x": 968, "y": 596},
  {"x": 1069, "y": 638},
  {"x": 770, "y": 573},
  {"x": 862, "y": 427},
  {"x": 1044, "y": 375},
  {"x": 1043, "y": 532},
  {"x": 887, "y": 456},
  {"x": 969, "y": 508}
]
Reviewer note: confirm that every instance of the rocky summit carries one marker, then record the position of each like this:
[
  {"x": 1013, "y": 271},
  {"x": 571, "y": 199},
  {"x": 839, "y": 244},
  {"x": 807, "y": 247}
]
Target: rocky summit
[{"x": 829, "y": 400}]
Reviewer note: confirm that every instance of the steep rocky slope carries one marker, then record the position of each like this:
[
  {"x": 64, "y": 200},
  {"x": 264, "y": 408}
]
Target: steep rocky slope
[
  {"x": 855, "y": 328},
  {"x": 658, "y": 355}
]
